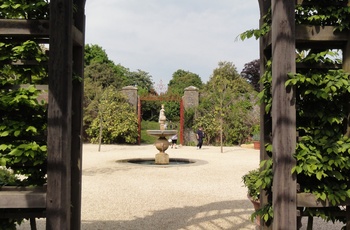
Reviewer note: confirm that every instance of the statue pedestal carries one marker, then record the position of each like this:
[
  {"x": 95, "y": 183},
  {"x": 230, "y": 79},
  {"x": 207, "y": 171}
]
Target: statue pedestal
[
  {"x": 162, "y": 159},
  {"x": 162, "y": 144}
]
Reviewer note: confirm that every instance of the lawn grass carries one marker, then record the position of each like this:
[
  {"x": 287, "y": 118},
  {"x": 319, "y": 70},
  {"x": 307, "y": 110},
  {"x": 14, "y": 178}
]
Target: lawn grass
[{"x": 148, "y": 125}]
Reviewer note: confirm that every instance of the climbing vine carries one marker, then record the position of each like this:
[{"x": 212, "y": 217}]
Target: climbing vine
[
  {"x": 313, "y": 12},
  {"x": 322, "y": 108},
  {"x": 24, "y": 9},
  {"x": 23, "y": 108}
]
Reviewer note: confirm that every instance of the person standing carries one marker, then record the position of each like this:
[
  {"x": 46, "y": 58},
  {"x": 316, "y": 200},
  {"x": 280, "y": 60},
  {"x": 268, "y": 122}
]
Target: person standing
[
  {"x": 200, "y": 136},
  {"x": 174, "y": 141}
]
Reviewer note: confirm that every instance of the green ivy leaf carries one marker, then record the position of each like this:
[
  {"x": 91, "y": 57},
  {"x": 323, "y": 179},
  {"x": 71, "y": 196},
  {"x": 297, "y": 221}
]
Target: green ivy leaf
[
  {"x": 2, "y": 161},
  {"x": 16, "y": 6},
  {"x": 16, "y": 152}
]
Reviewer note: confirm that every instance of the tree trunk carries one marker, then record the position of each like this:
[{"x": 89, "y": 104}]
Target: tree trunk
[
  {"x": 100, "y": 135},
  {"x": 221, "y": 133}
]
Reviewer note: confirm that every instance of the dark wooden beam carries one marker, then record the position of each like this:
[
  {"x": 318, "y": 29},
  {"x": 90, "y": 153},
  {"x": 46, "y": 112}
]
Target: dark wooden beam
[
  {"x": 309, "y": 200},
  {"x": 324, "y": 66},
  {"x": 78, "y": 37},
  {"x": 16, "y": 213},
  {"x": 58, "y": 203},
  {"x": 308, "y": 3},
  {"x": 283, "y": 115},
  {"x": 264, "y": 6},
  {"x": 308, "y": 37},
  {"x": 22, "y": 197},
  {"x": 319, "y": 33},
  {"x": 265, "y": 119},
  {"x": 77, "y": 116},
  {"x": 20, "y": 29}
]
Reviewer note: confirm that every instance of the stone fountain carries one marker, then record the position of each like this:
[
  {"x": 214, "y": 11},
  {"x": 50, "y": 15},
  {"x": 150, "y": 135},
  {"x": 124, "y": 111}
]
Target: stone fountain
[{"x": 162, "y": 143}]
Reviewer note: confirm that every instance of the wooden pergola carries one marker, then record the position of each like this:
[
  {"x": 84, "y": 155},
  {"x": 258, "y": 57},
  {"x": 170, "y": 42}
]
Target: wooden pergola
[
  {"x": 65, "y": 32},
  {"x": 280, "y": 44}
]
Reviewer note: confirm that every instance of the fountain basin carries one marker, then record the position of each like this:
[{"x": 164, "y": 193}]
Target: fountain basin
[
  {"x": 173, "y": 162},
  {"x": 161, "y": 133}
]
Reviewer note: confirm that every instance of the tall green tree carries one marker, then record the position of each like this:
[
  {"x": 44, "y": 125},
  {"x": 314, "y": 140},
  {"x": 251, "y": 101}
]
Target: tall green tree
[
  {"x": 141, "y": 79},
  {"x": 225, "y": 106},
  {"x": 95, "y": 53},
  {"x": 101, "y": 75},
  {"x": 226, "y": 70},
  {"x": 182, "y": 79},
  {"x": 251, "y": 72}
]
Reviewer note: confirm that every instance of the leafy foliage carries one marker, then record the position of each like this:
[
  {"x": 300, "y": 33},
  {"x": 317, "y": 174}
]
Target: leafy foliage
[
  {"x": 227, "y": 105},
  {"x": 172, "y": 111},
  {"x": 322, "y": 95},
  {"x": 150, "y": 110},
  {"x": 316, "y": 12},
  {"x": 23, "y": 120},
  {"x": 251, "y": 72},
  {"x": 322, "y": 13},
  {"x": 104, "y": 75},
  {"x": 95, "y": 54},
  {"x": 141, "y": 79},
  {"x": 323, "y": 152},
  {"x": 15, "y": 74},
  {"x": 249, "y": 180},
  {"x": 7, "y": 177},
  {"x": 32, "y": 9},
  {"x": 117, "y": 118},
  {"x": 101, "y": 76},
  {"x": 183, "y": 79},
  {"x": 22, "y": 134}
]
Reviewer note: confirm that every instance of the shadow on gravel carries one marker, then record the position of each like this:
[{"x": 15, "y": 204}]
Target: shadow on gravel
[
  {"x": 232, "y": 215},
  {"x": 219, "y": 215}
]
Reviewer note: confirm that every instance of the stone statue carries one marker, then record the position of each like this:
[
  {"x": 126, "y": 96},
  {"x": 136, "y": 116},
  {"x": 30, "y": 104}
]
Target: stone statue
[{"x": 162, "y": 118}]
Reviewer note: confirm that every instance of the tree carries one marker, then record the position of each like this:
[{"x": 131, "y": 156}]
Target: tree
[
  {"x": 141, "y": 79},
  {"x": 116, "y": 121},
  {"x": 251, "y": 72},
  {"x": 223, "y": 91},
  {"x": 95, "y": 53},
  {"x": 226, "y": 70},
  {"x": 105, "y": 74},
  {"x": 183, "y": 79},
  {"x": 102, "y": 76},
  {"x": 226, "y": 103}
]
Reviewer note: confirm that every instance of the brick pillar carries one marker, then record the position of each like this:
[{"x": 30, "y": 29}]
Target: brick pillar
[
  {"x": 131, "y": 93},
  {"x": 191, "y": 97},
  {"x": 190, "y": 100}
]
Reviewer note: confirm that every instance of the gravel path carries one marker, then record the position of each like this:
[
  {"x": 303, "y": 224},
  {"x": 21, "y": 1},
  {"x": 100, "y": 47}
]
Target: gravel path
[{"x": 206, "y": 195}]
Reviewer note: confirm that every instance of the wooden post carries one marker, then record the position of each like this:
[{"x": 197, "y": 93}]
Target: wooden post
[
  {"x": 265, "y": 119},
  {"x": 283, "y": 115},
  {"x": 346, "y": 67},
  {"x": 58, "y": 204},
  {"x": 77, "y": 119}
]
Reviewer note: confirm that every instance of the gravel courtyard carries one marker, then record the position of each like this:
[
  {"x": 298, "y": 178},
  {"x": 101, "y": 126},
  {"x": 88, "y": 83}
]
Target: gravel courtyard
[{"x": 208, "y": 194}]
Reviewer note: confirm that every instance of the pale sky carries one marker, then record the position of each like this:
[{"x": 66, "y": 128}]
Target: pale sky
[{"x": 162, "y": 36}]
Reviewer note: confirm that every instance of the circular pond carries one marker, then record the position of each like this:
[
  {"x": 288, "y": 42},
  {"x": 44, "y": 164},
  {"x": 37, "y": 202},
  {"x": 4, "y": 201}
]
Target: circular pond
[{"x": 172, "y": 162}]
